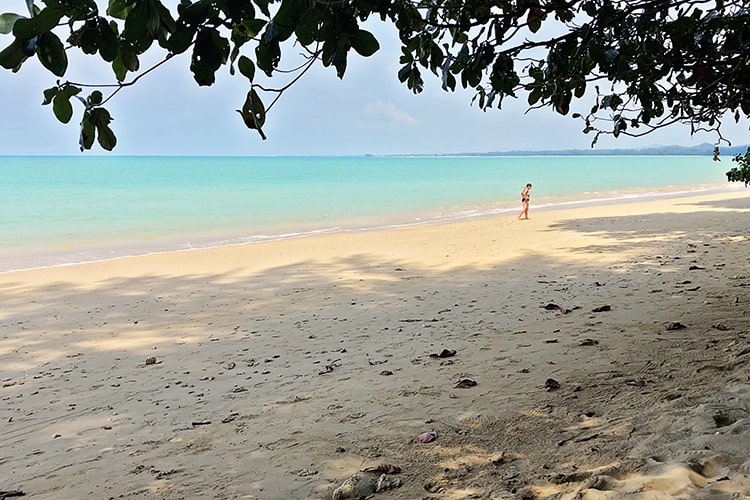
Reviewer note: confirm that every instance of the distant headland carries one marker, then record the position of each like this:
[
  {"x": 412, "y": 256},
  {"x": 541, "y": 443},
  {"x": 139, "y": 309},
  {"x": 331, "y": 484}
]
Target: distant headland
[{"x": 704, "y": 149}]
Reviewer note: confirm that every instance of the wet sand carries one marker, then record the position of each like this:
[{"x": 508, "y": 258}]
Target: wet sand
[{"x": 279, "y": 370}]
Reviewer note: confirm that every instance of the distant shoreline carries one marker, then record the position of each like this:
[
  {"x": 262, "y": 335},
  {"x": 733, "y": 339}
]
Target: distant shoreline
[{"x": 704, "y": 149}]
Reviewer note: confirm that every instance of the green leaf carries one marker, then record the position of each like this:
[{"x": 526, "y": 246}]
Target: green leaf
[
  {"x": 107, "y": 139},
  {"x": 404, "y": 73},
  {"x": 118, "y": 67},
  {"x": 51, "y": 54},
  {"x": 88, "y": 132},
  {"x": 415, "y": 82},
  {"x": 233, "y": 57},
  {"x": 95, "y": 98},
  {"x": 339, "y": 62},
  {"x": 26, "y": 29},
  {"x": 120, "y": 8},
  {"x": 246, "y": 67},
  {"x": 326, "y": 55},
  {"x": 473, "y": 76},
  {"x": 195, "y": 14},
  {"x": 562, "y": 101},
  {"x": 129, "y": 58},
  {"x": 254, "y": 112},
  {"x": 99, "y": 117},
  {"x": 263, "y": 6},
  {"x": 449, "y": 81},
  {"x": 249, "y": 28},
  {"x": 70, "y": 90},
  {"x": 142, "y": 26},
  {"x": 86, "y": 38},
  {"x": 62, "y": 108},
  {"x": 289, "y": 14},
  {"x": 7, "y": 20},
  {"x": 436, "y": 57},
  {"x": 180, "y": 40},
  {"x": 534, "y": 96},
  {"x": 210, "y": 52},
  {"x": 267, "y": 56},
  {"x": 109, "y": 46},
  {"x": 365, "y": 43},
  {"x": 49, "y": 94},
  {"x": 166, "y": 21},
  {"x": 240, "y": 9},
  {"x": 307, "y": 29},
  {"x": 12, "y": 56},
  {"x": 153, "y": 21},
  {"x": 534, "y": 19}
]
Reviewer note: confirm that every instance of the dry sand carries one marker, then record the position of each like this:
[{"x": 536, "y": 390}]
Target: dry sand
[{"x": 278, "y": 370}]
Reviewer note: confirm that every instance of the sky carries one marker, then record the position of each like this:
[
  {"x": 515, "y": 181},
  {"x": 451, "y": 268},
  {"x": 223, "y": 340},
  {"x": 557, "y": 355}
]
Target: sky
[{"x": 368, "y": 112}]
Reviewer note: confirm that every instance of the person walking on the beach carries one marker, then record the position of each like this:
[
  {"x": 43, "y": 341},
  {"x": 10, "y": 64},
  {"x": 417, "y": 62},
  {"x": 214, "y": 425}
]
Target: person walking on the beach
[{"x": 525, "y": 202}]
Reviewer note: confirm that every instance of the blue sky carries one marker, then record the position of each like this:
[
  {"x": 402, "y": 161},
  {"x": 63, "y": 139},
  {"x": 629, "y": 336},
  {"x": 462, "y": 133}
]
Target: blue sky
[{"x": 370, "y": 111}]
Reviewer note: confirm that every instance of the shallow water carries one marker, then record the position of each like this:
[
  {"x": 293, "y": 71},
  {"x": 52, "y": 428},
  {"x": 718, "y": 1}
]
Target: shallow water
[{"x": 61, "y": 210}]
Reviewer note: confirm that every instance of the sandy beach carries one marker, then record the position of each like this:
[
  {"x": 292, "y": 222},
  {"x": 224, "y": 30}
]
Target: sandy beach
[{"x": 590, "y": 353}]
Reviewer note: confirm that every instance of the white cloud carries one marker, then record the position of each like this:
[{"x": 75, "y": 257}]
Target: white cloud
[{"x": 381, "y": 114}]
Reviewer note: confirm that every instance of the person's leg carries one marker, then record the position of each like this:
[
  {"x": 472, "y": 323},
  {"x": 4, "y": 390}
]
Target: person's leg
[{"x": 524, "y": 211}]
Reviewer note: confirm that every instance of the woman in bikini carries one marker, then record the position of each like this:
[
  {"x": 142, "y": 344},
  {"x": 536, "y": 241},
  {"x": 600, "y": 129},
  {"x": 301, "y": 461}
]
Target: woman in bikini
[{"x": 525, "y": 196}]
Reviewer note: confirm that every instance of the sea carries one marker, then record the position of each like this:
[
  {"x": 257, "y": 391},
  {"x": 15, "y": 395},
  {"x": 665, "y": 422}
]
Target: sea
[{"x": 61, "y": 210}]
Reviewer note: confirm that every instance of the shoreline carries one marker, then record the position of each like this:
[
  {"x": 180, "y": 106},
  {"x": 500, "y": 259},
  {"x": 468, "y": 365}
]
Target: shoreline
[
  {"x": 51, "y": 256},
  {"x": 280, "y": 369}
]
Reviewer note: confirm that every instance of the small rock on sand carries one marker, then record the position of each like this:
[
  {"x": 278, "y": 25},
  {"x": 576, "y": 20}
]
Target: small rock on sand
[{"x": 362, "y": 484}]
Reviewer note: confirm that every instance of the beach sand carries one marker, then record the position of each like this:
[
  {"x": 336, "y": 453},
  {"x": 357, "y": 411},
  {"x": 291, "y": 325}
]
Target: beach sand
[{"x": 278, "y": 370}]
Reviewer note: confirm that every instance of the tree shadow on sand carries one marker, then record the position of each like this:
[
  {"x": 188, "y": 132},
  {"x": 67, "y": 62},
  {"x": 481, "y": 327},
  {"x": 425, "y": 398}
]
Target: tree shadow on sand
[{"x": 271, "y": 384}]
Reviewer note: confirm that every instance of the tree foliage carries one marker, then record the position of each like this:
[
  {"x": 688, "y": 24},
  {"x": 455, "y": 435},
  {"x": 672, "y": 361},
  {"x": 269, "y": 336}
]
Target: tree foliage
[
  {"x": 741, "y": 173},
  {"x": 627, "y": 67}
]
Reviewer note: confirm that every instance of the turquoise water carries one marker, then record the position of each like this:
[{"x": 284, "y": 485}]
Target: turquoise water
[{"x": 59, "y": 210}]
